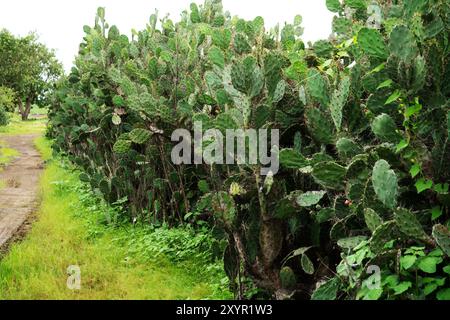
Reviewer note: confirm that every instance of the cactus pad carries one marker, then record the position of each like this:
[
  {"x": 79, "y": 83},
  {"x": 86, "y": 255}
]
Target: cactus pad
[
  {"x": 408, "y": 224},
  {"x": 140, "y": 136},
  {"x": 441, "y": 235},
  {"x": 373, "y": 220},
  {"x": 385, "y": 185}
]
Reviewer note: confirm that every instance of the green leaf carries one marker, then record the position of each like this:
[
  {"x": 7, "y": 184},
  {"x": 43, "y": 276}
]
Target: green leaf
[
  {"x": 221, "y": 38},
  {"x": 333, "y": 5},
  {"x": 287, "y": 278},
  {"x": 402, "y": 287},
  {"x": 412, "y": 110},
  {"x": 324, "y": 215},
  {"x": 441, "y": 188},
  {"x": 373, "y": 220},
  {"x": 436, "y": 213},
  {"x": 401, "y": 145},
  {"x": 407, "y": 261},
  {"x": 195, "y": 15},
  {"x": 408, "y": 224},
  {"x": 384, "y": 127},
  {"x": 140, "y": 136},
  {"x": 393, "y": 97},
  {"x": 372, "y": 43},
  {"x": 329, "y": 174},
  {"x": 292, "y": 159},
  {"x": 122, "y": 146},
  {"x": 84, "y": 177},
  {"x": 310, "y": 198},
  {"x": 279, "y": 91},
  {"x": 441, "y": 235},
  {"x": 384, "y": 181},
  {"x": 350, "y": 243},
  {"x": 385, "y": 84},
  {"x": 339, "y": 100},
  {"x": 443, "y": 294},
  {"x": 203, "y": 186},
  {"x": 116, "y": 120},
  {"x": 402, "y": 43},
  {"x": 318, "y": 87},
  {"x": 423, "y": 185},
  {"x": 356, "y": 4},
  {"x": 327, "y": 291},
  {"x": 428, "y": 264},
  {"x": 216, "y": 56},
  {"x": 373, "y": 294},
  {"x": 446, "y": 269},
  {"x": 307, "y": 264},
  {"x": 415, "y": 170}
]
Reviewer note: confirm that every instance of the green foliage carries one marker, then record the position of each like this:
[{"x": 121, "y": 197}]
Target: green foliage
[
  {"x": 408, "y": 224},
  {"x": 28, "y": 68},
  {"x": 372, "y": 43},
  {"x": 4, "y": 118},
  {"x": 327, "y": 290},
  {"x": 7, "y": 99},
  {"x": 363, "y": 117},
  {"x": 310, "y": 198},
  {"x": 385, "y": 129},
  {"x": 385, "y": 183},
  {"x": 441, "y": 235},
  {"x": 287, "y": 277},
  {"x": 373, "y": 220},
  {"x": 329, "y": 174}
]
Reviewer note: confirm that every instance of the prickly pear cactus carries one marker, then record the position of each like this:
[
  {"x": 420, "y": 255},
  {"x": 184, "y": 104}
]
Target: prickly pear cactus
[
  {"x": 140, "y": 136},
  {"x": 288, "y": 278},
  {"x": 372, "y": 43},
  {"x": 408, "y": 224},
  {"x": 329, "y": 174},
  {"x": 270, "y": 240},
  {"x": 382, "y": 235},
  {"x": 373, "y": 220},
  {"x": 347, "y": 148},
  {"x": 384, "y": 181},
  {"x": 441, "y": 235},
  {"x": 362, "y": 117},
  {"x": 385, "y": 129},
  {"x": 122, "y": 146}
]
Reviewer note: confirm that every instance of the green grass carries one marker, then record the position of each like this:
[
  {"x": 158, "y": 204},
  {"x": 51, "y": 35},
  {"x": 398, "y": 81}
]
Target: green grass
[
  {"x": 7, "y": 154},
  {"x": 35, "y": 109},
  {"x": 36, "y": 268},
  {"x": 17, "y": 126}
]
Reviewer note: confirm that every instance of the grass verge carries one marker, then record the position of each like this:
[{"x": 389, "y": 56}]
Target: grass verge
[
  {"x": 7, "y": 154},
  {"x": 68, "y": 233},
  {"x": 17, "y": 126}
]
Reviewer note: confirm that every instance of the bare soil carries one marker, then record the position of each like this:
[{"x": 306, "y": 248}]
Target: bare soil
[{"x": 19, "y": 198}]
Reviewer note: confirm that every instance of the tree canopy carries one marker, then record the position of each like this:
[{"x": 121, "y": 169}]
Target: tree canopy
[{"x": 28, "y": 67}]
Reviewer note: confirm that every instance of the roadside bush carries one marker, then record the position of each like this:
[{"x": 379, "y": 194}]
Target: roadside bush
[
  {"x": 364, "y": 147},
  {"x": 7, "y": 99},
  {"x": 4, "y": 117}
]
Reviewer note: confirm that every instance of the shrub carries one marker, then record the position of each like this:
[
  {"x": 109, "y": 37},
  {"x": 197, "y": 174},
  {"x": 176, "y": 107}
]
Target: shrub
[
  {"x": 364, "y": 121},
  {"x": 4, "y": 117}
]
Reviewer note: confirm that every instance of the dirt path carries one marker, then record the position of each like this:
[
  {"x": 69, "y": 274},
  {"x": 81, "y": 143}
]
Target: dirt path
[{"x": 21, "y": 177}]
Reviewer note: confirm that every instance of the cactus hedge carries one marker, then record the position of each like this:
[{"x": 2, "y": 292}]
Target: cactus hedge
[{"x": 364, "y": 120}]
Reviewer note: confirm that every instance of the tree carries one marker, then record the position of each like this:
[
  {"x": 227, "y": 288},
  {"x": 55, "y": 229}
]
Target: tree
[
  {"x": 28, "y": 67},
  {"x": 7, "y": 99}
]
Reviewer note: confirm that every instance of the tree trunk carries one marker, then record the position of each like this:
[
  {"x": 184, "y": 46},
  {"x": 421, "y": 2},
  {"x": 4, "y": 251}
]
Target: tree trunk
[
  {"x": 20, "y": 106},
  {"x": 25, "y": 112}
]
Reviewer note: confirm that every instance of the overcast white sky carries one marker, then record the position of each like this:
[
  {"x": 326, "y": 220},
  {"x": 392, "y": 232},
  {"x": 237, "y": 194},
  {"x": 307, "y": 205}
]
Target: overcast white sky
[{"x": 59, "y": 23}]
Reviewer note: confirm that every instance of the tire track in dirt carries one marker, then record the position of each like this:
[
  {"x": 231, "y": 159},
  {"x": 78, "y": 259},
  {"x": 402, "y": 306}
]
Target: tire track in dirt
[{"x": 19, "y": 197}]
